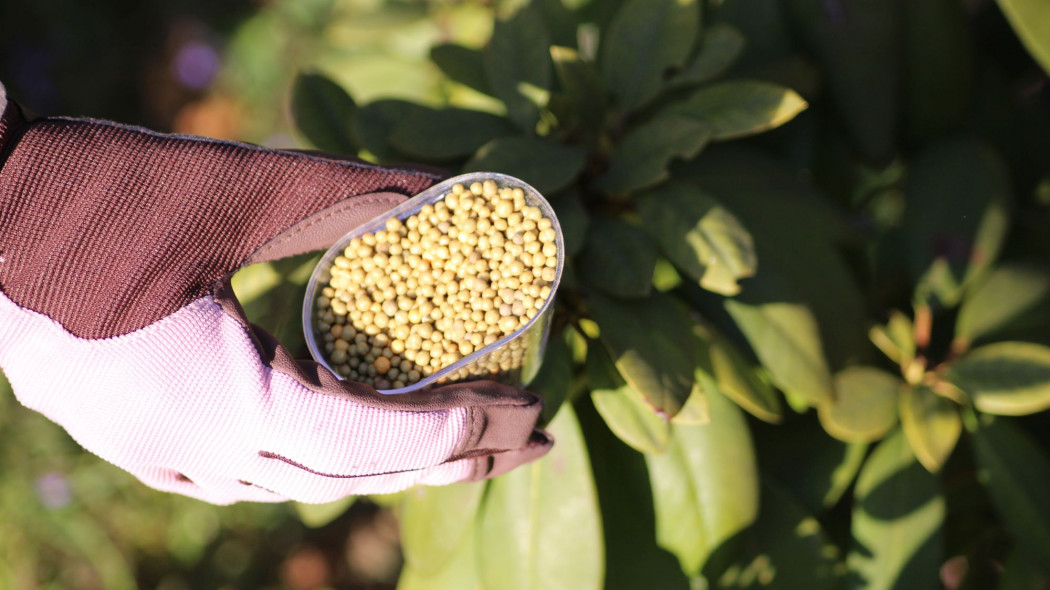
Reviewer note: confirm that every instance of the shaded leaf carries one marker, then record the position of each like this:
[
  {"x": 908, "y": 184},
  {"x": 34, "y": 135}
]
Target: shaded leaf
[
  {"x": 1031, "y": 21},
  {"x": 375, "y": 122},
  {"x": 641, "y": 157},
  {"x": 1015, "y": 471},
  {"x": 784, "y": 336},
  {"x": 560, "y": 21},
  {"x": 547, "y": 166},
  {"x": 1021, "y": 572},
  {"x": 582, "y": 97},
  {"x": 540, "y": 525},
  {"x": 517, "y": 64},
  {"x": 705, "y": 487},
  {"x": 947, "y": 252},
  {"x": 617, "y": 258},
  {"x": 573, "y": 219},
  {"x": 898, "y": 521},
  {"x": 318, "y": 515},
  {"x": 939, "y": 75},
  {"x": 462, "y": 64},
  {"x": 444, "y": 134},
  {"x": 1004, "y": 295},
  {"x": 324, "y": 113},
  {"x": 1006, "y": 378},
  {"x": 721, "y": 46},
  {"x": 554, "y": 378},
  {"x": 736, "y": 379},
  {"x": 741, "y": 107},
  {"x": 435, "y": 522},
  {"x": 932, "y": 425},
  {"x": 700, "y": 236},
  {"x": 644, "y": 40},
  {"x": 622, "y": 408},
  {"x": 865, "y": 405},
  {"x": 651, "y": 342}
]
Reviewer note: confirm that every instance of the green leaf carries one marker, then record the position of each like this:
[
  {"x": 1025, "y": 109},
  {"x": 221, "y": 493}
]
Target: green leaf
[
  {"x": 721, "y": 46},
  {"x": 559, "y": 20},
  {"x": 700, "y": 236},
  {"x": 932, "y": 425},
  {"x": 617, "y": 258},
  {"x": 643, "y": 41},
  {"x": 939, "y": 78},
  {"x": 642, "y": 156},
  {"x": 696, "y": 409},
  {"x": 898, "y": 520},
  {"x": 1021, "y": 572},
  {"x": 865, "y": 405},
  {"x": 318, "y": 515},
  {"x": 460, "y": 571},
  {"x": 581, "y": 101},
  {"x": 1015, "y": 471},
  {"x": 554, "y": 379},
  {"x": 622, "y": 408},
  {"x": 705, "y": 487},
  {"x": 446, "y": 134},
  {"x": 785, "y": 549},
  {"x": 651, "y": 342},
  {"x": 462, "y": 64},
  {"x": 1031, "y": 21},
  {"x": 970, "y": 180},
  {"x": 1004, "y": 295},
  {"x": 376, "y": 121},
  {"x": 573, "y": 219},
  {"x": 517, "y": 64},
  {"x": 736, "y": 379},
  {"x": 434, "y": 523},
  {"x": 785, "y": 338},
  {"x": 896, "y": 339},
  {"x": 1006, "y": 378},
  {"x": 741, "y": 107},
  {"x": 540, "y": 526},
  {"x": 324, "y": 113},
  {"x": 547, "y": 166}
]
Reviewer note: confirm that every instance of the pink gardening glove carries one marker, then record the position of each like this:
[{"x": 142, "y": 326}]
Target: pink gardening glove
[{"x": 117, "y": 320}]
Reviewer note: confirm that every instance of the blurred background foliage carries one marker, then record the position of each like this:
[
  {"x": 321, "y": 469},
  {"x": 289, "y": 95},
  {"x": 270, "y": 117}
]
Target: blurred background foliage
[{"x": 802, "y": 338}]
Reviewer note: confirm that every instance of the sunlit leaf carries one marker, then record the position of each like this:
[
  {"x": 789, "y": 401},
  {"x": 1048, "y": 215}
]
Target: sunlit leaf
[
  {"x": 318, "y": 515},
  {"x": 324, "y": 113},
  {"x": 700, "y": 236},
  {"x": 741, "y": 107},
  {"x": 898, "y": 521},
  {"x": 865, "y": 405},
  {"x": 721, "y": 46},
  {"x": 434, "y": 523},
  {"x": 617, "y": 258},
  {"x": 540, "y": 526},
  {"x": 896, "y": 339},
  {"x": 932, "y": 425},
  {"x": 705, "y": 487},
  {"x": 1006, "y": 378},
  {"x": 642, "y": 156},
  {"x": 1015, "y": 471},
  {"x": 517, "y": 64},
  {"x": 736, "y": 379},
  {"x": 1031, "y": 20},
  {"x": 443, "y": 134},
  {"x": 644, "y": 39},
  {"x": 624, "y": 409},
  {"x": 459, "y": 572},
  {"x": 651, "y": 342},
  {"x": 1004, "y": 295},
  {"x": 547, "y": 166}
]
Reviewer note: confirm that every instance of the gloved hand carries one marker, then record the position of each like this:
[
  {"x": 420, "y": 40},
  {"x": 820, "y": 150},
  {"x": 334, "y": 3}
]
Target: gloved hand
[{"x": 117, "y": 320}]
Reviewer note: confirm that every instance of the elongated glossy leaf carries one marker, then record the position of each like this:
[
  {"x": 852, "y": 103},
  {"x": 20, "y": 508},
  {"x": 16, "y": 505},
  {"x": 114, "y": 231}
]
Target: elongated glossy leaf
[
  {"x": 644, "y": 40},
  {"x": 1006, "y": 378},
  {"x": 434, "y": 523},
  {"x": 641, "y": 158},
  {"x": 547, "y": 166},
  {"x": 324, "y": 113},
  {"x": 1031, "y": 21},
  {"x": 785, "y": 549},
  {"x": 784, "y": 336},
  {"x": 517, "y": 64},
  {"x": 651, "y": 342},
  {"x": 444, "y": 134},
  {"x": 898, "y": 521},
  {"x": 623, "y": 408},
  {"x": 1004, "y": 295},
  {"x": 700, "y": 236},
  {"x": 932, "y": 425},
  {"x": 376, "y": 121},
  {"x": 1016, "y": 473},
  {"x": 968, "y": 178},
  {"x": 741, "y": 107},
  {"x": 865, "y": 405},
  {"x": 721, "y": 46},
  {"x": 462, "y": 64},
  {"x": 617, "y": 258},
  {"x": 318, "y": 515},
  {"x": 540, "y": 525},
  {"x": 460, "y": 571},
  {"x": 734, "y": 377},
  {"x": 705, "y": 487}
]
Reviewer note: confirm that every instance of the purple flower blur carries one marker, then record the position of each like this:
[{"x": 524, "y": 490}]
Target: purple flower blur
[
  {"x": 195, "y": 65},
  {"x": 53, "y": 490}
]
